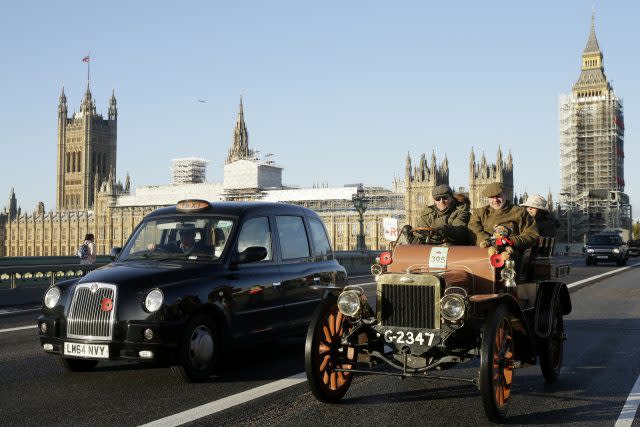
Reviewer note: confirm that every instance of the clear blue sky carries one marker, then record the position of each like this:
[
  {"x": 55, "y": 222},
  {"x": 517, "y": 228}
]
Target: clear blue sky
[{"x": 339, "y": 91}]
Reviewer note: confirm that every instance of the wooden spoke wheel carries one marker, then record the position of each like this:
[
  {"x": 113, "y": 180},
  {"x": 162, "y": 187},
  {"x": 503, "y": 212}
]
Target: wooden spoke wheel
[
  {"x": 324, "y": 353},
  {"x": 496, "y": 364},
  {"x": 552, "y": 348}
]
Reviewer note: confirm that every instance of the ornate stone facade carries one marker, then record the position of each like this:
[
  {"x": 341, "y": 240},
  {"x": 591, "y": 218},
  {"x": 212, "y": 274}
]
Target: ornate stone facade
[
  {"x": 482, "y": 174},
  {"x": 419, "y": 182},
  {"x": 111, "y": 212},
  {"x": 87, "y": 146}
]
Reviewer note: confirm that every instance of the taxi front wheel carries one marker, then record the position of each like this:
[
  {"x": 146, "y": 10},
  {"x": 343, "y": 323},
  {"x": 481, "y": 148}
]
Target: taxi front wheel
[{"x": 199, "y": 350}]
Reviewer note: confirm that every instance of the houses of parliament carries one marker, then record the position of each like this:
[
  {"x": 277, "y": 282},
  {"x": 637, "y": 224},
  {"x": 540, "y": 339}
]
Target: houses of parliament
[{"x": 89, "y": 198}]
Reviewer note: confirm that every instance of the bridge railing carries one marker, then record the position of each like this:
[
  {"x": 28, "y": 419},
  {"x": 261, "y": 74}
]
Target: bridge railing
[
  {"x": 43, "y": 270},
  {"x": 15, "y": 271}
]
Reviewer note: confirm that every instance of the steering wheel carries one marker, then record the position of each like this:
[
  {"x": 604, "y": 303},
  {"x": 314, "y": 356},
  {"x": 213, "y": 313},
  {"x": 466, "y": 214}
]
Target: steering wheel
[{"x": 428, "y": 235}]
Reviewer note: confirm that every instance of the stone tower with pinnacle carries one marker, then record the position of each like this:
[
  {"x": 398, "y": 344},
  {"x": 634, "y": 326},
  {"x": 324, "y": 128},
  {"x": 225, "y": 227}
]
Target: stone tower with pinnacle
[{"x": 87, "y": 146}]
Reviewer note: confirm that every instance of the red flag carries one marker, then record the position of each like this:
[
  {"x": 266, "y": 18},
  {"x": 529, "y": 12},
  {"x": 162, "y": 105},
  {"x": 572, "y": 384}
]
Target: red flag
[{"x": 86, "y": 59}]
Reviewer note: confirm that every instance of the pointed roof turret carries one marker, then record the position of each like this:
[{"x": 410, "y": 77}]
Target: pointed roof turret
[
  {"x": 63, "y": 97},
  {"x": 113, "y": 110},
  {"x": 592, "y": 80},
  {"x": 407, "y": 167},
  {"x": 87, "y": 105},
  {"x": 592, "y": 43}
]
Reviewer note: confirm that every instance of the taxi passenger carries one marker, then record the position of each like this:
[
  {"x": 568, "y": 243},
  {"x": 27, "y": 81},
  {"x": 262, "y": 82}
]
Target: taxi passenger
[
  {"x": 448, "y": 216},
  {"x": 500, "y": 211},
  {"x": 536, "y": 206}
]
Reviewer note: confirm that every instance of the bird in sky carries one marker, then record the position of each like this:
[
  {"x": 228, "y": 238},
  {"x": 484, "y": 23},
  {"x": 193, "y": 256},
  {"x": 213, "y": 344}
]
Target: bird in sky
[{"x": 202, "y": 100}]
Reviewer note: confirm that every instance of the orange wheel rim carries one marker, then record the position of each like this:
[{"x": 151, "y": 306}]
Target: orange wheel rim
[
  {"x": 503, "y": 363},
  {"x": 328, "y": 351}
]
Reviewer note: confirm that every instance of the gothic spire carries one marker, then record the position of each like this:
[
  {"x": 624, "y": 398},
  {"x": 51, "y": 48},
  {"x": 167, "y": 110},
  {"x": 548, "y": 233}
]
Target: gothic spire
[
  {"x": 240, "y": 146},
  {"x": 113, "y": 110},
  {"x": 63, "y": 97},
  {"x": 407, "y": 168},
  {"x": 592, "y": 43},
  {"x": 592, "y": 80}
]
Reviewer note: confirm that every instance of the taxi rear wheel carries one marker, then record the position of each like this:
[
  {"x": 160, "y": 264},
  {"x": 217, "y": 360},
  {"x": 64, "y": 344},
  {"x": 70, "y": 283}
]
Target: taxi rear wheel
[
  {"x": 76, "y": 365},
  {"x": 199, "y": 350},
  {"x": 324, "y": 353},
  {"x": 496, "y": 364}
]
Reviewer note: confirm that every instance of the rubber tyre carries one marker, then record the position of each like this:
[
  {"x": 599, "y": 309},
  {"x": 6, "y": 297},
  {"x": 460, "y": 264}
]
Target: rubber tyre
[
  {"x": 496, "y": 364},
  {"x": 552, "y": 349},
  {"x": 588, "y": 262},
  {"x": 322, "y": 356},
  {"x": 199, "y": 350},
  {"x": 77, "y": 365}
]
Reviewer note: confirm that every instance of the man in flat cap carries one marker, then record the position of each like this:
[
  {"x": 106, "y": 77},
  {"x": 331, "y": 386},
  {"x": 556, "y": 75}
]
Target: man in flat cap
[
  {"x": 500, "y": 211},
  {"x": 448, "y": 216}
]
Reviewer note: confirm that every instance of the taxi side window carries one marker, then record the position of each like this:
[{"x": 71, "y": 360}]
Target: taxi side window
[
  {"x": 321, "y": 245},
  {"x": 293, "y": 237},
  {"x": 256, "y": 232}
]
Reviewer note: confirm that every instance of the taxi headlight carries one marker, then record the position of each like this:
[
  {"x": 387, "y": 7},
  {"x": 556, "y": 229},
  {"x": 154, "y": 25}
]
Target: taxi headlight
[
  {"x": 153, "y": 301},
  {"x": 51, "y": 297},
  {"x": 616, "y": 251},
  {"x": 349, "y": 303},
  {"x": 452, "y": 307},
  {"x": 590, "y": 251}
]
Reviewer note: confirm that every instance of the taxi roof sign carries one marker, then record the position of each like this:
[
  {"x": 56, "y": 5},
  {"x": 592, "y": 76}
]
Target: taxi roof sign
[{"x": 192, "y": 205}]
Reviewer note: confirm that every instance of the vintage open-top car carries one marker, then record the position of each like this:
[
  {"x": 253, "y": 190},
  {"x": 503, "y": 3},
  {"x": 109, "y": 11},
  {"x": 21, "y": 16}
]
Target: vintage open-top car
[{"x": 439, "y": 305}]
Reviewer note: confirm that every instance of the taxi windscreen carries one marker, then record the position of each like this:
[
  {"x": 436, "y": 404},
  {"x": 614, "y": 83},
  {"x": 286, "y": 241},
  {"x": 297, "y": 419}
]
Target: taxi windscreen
[{"x": 180, "y": 238}]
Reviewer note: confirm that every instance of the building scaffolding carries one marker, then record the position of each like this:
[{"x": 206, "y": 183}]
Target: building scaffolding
[
  {"x": 188, "y": 171},
  {"x": 592, "y": 152}
]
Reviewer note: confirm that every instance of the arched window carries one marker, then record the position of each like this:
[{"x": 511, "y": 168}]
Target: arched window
[
  {"x": 79, "y": 162},
  {"x": 67, "y": 162}
]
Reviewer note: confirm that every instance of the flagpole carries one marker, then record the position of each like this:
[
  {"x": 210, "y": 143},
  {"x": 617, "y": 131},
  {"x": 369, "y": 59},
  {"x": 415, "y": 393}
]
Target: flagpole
[{"x": 88, "y": 69}]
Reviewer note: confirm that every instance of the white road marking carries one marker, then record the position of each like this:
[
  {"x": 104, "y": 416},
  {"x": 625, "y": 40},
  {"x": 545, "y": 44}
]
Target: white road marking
[
  {"x": 227, "y": 402},
  {"x": 20, "y": 328},
  {"x": 363, "y": 284},
  {"x": 589, "y": 279},
  {"x": 628, "y": 413}
]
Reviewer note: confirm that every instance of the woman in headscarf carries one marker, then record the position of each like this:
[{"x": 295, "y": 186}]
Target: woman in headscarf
[{"x": 536, "y": 206}]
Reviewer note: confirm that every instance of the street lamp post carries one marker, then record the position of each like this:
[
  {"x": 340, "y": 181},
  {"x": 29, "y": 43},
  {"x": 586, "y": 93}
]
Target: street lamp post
[{"x": 360, "y": 203}]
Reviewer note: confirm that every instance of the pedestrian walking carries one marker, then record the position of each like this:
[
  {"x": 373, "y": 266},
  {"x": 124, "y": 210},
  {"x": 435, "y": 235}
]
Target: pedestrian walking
[{"x": 87, "y": 250}]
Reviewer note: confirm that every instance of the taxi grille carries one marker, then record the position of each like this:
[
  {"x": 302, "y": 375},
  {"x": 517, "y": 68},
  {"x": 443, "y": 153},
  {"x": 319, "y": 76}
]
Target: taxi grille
[
  {"x": 408, "y": 306},
  {"x": 86, "y": 319}
]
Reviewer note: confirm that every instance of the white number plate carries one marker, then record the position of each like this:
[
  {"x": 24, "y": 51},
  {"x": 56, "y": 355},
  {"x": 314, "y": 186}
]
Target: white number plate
[
  {"x": 438, "y": 257},
  {"x": 99, "y": 351},
  {"x": 409, "y": 337}
]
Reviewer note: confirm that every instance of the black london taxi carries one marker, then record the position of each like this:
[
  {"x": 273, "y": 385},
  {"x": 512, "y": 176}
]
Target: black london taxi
[{"x": 192, "y": 280}]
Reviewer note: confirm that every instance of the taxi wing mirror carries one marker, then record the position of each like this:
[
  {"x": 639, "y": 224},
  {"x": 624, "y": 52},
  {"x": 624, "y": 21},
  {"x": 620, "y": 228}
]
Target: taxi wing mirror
[{"x": 114, "y": 253}]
